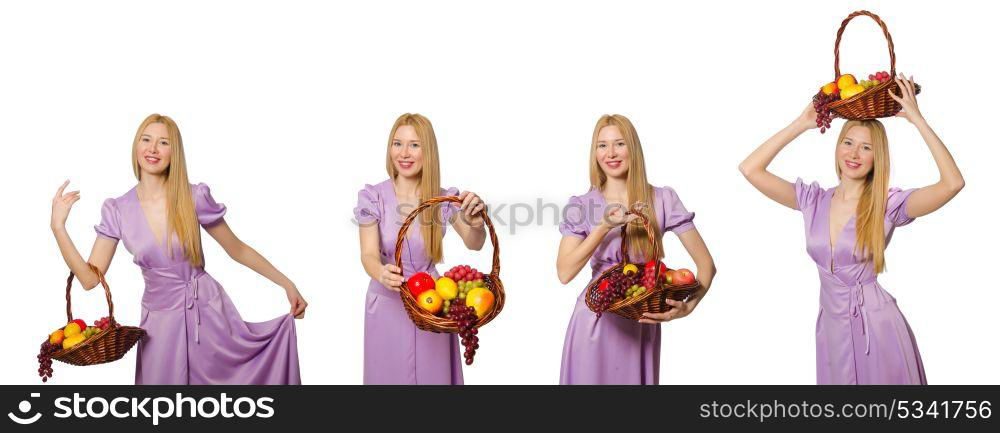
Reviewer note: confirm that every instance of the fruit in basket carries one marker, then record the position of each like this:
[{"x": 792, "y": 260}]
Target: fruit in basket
[
  {"x": 630, "y": 269},
  {"x": 830, "y": 89},
  {"x": 69, "y": 342},
  {"x": 651, "y": 267},
  {"x": 481, "y": 299},
  {"x": 447, "y": 288},
  {"x": 420, "y": 283},
  {"x": 430, "y": 301},
  {"x": 466, "y": 318},
  {"x": 464, "y": 273},
  {"x": 56, "y": 337},
  {"x": 81, "y": 323},
  {"x": 604, "y": 285},
  {"x": 683, "y": 276},
  {"x": 844, "y": 81},
  {"x": 72, "y": 330},
  {"x": 851, "y": 91},
  {"x": 103, "y": 323},
  {"x": 45, "y": 359}
]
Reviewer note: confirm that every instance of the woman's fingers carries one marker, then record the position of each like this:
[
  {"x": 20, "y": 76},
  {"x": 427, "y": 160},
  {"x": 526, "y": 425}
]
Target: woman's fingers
[
  {"x": 393, "y": 268},
  {"x": 59, "y": 192}
]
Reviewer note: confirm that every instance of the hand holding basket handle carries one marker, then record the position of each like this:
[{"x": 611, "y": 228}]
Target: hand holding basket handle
[
  {"x": 875, "y": 102},
  {"x": 425, "y": 320}
]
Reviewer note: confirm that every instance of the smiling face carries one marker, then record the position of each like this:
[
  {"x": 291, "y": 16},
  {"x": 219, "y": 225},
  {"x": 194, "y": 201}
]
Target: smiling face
[
  {"x": 406, "y": 151},
  {"x": 855, "y": 153},
  {"x": 153, "y": 149},
  {"x": 612, "y": 152}
]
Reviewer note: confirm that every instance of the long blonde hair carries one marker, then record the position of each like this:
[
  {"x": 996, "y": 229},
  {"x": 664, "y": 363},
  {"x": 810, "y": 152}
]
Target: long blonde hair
[
  {"x": 181, "y": 217},
  {"x": 639, "y": 189},
  {"x": 870, "y": 223},
  {"x": 430, "y": 180}
]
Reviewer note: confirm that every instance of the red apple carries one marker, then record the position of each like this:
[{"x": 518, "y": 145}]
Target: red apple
[
  {"x": 604, "y": 285},
  {"x": 420, "y": 283},
  {"x": 683, "y": 277}
]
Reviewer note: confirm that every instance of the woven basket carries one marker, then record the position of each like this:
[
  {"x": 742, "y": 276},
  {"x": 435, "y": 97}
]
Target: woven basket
[
  {"x": 423, "y": 319},
  {"x": 652, "y": 301},
  {"x": 875, "y": 102},
  {"x": 107, "y": 346}
]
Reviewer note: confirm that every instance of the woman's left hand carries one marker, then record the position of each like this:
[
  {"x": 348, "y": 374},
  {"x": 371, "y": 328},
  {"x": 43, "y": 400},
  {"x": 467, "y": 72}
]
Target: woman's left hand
[
  {"x": 680, "y": 309},
  {"x": 471, "y": 208},
  {"x": 297, "y": 302},
  {"x": 907, "y": 97}
]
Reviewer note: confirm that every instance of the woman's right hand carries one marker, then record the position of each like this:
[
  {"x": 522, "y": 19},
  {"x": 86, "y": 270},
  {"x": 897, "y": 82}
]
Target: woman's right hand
[
  {"x": 807, "y": 120},
  {"x": 616, "y": 217},
  {"x": 61, "y": 205},
  {"x": 391, "y": 277}
]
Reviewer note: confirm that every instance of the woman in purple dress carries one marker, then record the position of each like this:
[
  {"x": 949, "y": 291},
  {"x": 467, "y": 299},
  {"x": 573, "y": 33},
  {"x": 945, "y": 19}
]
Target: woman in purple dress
[
  {"x": 611, "y": 349},
  {"x": 396, "y": 352},
  {"x": 861, "y": 336},
  {"x": 194, "y": 335}
]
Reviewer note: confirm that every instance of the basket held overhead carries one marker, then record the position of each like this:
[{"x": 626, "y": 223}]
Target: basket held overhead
[
  {"x": 875, "y": 102},
  {"x": 423, "y": 319}
]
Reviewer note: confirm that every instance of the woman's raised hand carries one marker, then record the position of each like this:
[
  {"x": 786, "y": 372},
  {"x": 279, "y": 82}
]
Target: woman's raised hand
[
  {"x": 616, "y": 217},
  {"x": 807, "y": 120},
  {"x": 391, "y": 276},
  {"x": 907, "y": 97},
  {"x": 471, "y": 208},
  {"x": 61, "y": 205}
]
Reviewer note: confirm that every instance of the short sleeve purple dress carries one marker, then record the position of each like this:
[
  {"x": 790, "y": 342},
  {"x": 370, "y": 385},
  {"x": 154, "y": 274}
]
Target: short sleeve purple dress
[
  {"x": 396, "y": 352},
  {"x": 194, "y": 333},
  {"x": 613, "y": 350},
  {"x": 861, "y": 336}
]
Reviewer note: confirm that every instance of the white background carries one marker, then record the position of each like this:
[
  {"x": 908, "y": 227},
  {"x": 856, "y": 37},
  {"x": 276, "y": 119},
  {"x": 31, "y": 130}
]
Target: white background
[{"x": 285, "y": 108}]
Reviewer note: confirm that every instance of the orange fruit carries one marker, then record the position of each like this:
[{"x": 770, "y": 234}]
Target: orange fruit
[
  {"x": 844, "y": 81},
  {"x": 56, "y": 337},
  {"x": 72, "y": 330},
  {"x": 830, "y": 88},
  {"x": 481, "y": 299},
  {"x": 430, "y": 301}
]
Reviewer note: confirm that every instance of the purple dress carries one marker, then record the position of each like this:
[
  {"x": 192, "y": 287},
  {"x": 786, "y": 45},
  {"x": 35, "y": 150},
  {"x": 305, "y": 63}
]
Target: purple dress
[
  {"x": 612, "y": 349},
  {"x": 194, "y": 333},
  {"x": 396, "y": 352},
  {"x": 861, "y": 336}
]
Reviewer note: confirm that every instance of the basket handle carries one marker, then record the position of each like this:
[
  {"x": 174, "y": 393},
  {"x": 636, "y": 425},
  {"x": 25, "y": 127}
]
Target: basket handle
[
  {"x": 446, "y": 199},
  {"x": 636, "y": 209},
  {"x": 885, "y": 31},
  {"x": 107, "y": 295}
]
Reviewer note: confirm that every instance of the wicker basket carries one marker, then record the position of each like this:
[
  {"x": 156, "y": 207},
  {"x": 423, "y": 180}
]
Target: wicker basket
[
  {"x": 651, "y": 301},
  {"x": 107, "y": 346},
  {"x": 875, "y": 102},
  {"x": 425, "y": 320}
]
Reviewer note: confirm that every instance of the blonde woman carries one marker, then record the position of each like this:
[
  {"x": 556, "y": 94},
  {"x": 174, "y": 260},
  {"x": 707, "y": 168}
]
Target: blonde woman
[
  {"x": 611, "y": 349},
  {"x": 194, "y": 333},
  {"x": 396, "y": 352},
  {"x": 861, "y": 336}
]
